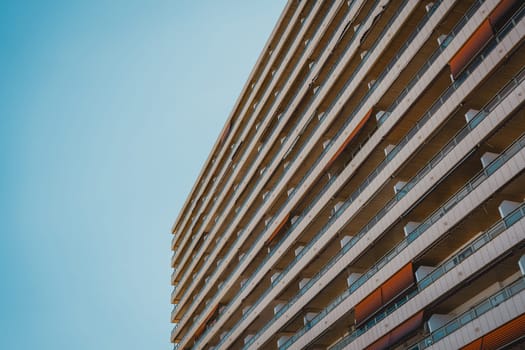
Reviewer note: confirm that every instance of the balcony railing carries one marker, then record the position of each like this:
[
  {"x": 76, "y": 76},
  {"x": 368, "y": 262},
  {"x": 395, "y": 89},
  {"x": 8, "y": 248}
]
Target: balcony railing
[
  {"x": 272, "y": 133},
  {"x": 467, "y": 317},
  {"x": 496, "y": 229},
  {"x": 417, "y": 232},
  {"x": 327, "y": 149},
  {"x": 462, "y": 193},
  {"x": 272, "y": 77},
  {"x": 486, "y": 305},
  {"x": 311, "y": 117},
  {"x": 353, "y": 197},
  {"x": 275, "y": 99},
  {"x": 469, "y": 13}
]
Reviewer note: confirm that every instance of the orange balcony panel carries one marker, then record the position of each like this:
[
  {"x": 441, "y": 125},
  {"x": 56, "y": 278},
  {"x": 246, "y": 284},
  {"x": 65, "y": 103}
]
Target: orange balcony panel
[
  {"x": 404, "y": 329},
  {"x": 391, "y": 288},
  {"x": 475, "y": 345},
  {"x": 501, "y": 336},
  {"x": 276, "y": 232},
  {"x": 368, "y": 306},
  {"x": 349, "y": 138},
  {"x": 407, "y": 327},
  {"x": 505, "y": 334},
  {"x": 400, "y": 281},
  {"x": 501, "y": 14},
  {"x": 469, "y": 50}
]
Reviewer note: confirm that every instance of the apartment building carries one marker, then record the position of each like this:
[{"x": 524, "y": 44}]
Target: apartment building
[{"x": 367, "y": 190}]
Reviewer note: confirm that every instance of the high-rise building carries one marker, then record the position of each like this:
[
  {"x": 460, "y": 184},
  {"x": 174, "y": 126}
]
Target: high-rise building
[{"x": 367, "y": 190}]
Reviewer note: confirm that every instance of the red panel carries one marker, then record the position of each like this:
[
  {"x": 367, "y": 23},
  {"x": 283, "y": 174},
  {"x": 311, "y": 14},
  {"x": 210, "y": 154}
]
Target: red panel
[
  {"x": 407, "y": 327},
  {"x": 400, "y": 281},
  {"x": 349, "y": 138},
  {"x": 368, "y": 306},
  {"x": 505, "y": 334},
  {"x": 475, "y": 345},
  {"x": 473, "y": 45},
  {"x": 278, "y": 229},
  {"x": 501, "y": 14}
]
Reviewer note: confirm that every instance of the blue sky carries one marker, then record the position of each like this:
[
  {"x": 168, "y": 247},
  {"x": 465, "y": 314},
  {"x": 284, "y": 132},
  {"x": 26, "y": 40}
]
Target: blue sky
[{"x": 108, "y": 110}]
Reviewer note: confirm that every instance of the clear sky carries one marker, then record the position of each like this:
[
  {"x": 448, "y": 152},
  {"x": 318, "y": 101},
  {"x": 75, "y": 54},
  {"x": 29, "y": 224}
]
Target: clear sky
[{"x": 108, "y": 110}]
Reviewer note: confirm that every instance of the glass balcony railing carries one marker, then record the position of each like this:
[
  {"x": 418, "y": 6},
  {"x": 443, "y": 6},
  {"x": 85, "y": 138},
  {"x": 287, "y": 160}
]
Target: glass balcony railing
[
  {"x": 469, "y": 187},
  {"x": 462, "y": 193},
  {"x": 446, "y": 149},
  {"x": 486, "y": 305},
  {"x": 276, "y": 156},
  {"x": 468, "y": 14},
  {"x": 417, "y": 232},
  {"x": 328, "y": 110},
  {"x": 499, "y": 227},
  {"x": 266, "y": 116},
  {"x": 340, "y": 211},
  {"x": 274, "y": 130},
  {"x": 271, "y": 78}
]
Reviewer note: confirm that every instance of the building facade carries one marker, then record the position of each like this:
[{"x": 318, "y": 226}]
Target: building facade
[{"x": 367, "y": 190}]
